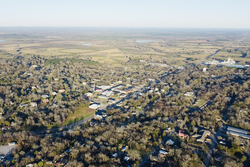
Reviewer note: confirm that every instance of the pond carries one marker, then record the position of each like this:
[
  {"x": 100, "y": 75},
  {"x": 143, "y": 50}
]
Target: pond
[
  {"x": 87, "y": 44},
  {"x": 236, "y": 66},
  {"x": 143, "y": 41}
]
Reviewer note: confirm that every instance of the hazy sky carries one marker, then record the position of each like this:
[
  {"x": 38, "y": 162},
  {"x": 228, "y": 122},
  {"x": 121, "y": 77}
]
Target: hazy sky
[{"x": 126, "y": 13}]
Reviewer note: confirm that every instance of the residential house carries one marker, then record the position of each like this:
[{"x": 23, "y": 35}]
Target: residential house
[
  {"x": 12, "y": 143},
  {"x": 33, "y": 104},
  {"x": 115, "y": 155},
  {"x": 61, "y": 90},
  {"x": 189, "y": 94},
  {"x": 111, "y": 100},
  {"x": 181, "y": 134},
  {"x": 44, "y": 101},
  {"x": 163, "y": 152},
  {"x": 170, "y": 142},
  {"x": 45, "y": 96},
  {"x": 29, "y": 165},
  {"x": 54, "y": 93},
  {"x": 89, "y": 94},
  {"x": 98, "y": 117},
  {"x": 23, "y": 105}
]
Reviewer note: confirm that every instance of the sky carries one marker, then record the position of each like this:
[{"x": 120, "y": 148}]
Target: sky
[{"x": 126, "y": 13}]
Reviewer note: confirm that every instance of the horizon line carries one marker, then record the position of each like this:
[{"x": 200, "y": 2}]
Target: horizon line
[{"x": 120, "y": 27}]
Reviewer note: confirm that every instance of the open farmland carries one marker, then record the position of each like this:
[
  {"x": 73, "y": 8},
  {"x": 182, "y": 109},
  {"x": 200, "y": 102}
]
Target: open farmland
[{"x": 125, "y": 46}]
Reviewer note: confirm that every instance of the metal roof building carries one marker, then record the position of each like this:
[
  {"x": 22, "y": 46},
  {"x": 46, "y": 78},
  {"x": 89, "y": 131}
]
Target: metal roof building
[
  {"x": 230, "y": 128},
  {"x": 246, "y": 136}
]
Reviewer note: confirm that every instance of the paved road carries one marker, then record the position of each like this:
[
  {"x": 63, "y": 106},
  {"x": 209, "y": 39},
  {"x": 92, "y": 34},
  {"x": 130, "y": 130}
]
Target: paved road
[
  {"x": 68, "y": 127},
  {"x": 165, "y": 139},
  {"x": 156, "y": 148},
  {"x": 215, "y": 139}
]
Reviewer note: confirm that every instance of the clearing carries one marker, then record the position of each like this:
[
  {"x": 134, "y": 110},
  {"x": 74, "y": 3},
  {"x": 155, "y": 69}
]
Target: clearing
[{"x": 82, "y": 112}]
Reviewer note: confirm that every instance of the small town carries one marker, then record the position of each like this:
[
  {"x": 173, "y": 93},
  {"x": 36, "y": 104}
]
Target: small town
[{"x": 82, "y": 115}]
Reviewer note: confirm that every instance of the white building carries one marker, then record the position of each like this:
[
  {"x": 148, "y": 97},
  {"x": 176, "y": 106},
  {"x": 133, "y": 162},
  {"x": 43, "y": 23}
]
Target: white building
[
  {"x": 228, "y": 62},
  {"x": 189, "y": 94},
  {"x": 33, "y": 104},
  {"x": 12, "y": 143},
  {"x": 94, "y": 106}
]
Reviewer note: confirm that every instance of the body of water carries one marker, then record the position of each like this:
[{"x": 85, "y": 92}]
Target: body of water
[
  {"x": 87, "y": 44},
  {"x": 236, "y": 66},
  {"x": 2, "y": 40},
  {"x": 143, "y": 41}
]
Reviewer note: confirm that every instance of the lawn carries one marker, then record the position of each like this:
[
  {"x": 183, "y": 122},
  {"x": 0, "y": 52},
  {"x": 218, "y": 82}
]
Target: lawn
[
  {"x": 199, "y": 102},
  {"x": 80, "y": 114}
]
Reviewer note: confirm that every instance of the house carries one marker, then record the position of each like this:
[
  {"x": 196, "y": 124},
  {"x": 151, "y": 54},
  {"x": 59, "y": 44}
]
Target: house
[
  {"x": 107, "y": 93},
  {"x": 122, "y": 95},
  {"x": 12, "y": 143},
  {"x": 94, "y": 106},
  {"x": 29, "y": 165},
  {"x": 54, "y": 93},
  {"x": 49, "y": 162},
  {"x": 119, "y": 104},
  {"x": 163, "y": 152},
  {"x": 89, "y": 94},
  {"x": 44, "y": 101},
  {"x": 98, "y": 117},
  {"x": 23, "y": 105},
  {"x": 103, "y": 97},
  {"x": 114, "y": 155},
  {"x": 170, "y": 142},
  {"x": 189, "y": 94},
  {"x": 181, "y": 134},
  {"x": 202, "y": 136},
  {"x": 98, "y": 90},
  {"x": 33, "y": 104},
  {"x": 124, "y": 148},
  {"x": 61, "y": 90},
  {"x": 5, "y": 128},
  {"x": 45, "y": 96},
  {"x": 111, "y": 100},
  {"x": 126, "y": 158}
]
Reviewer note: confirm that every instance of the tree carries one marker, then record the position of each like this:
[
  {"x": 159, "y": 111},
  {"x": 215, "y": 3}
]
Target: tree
[
  {"x": 243, "y": 158},
  {"x": 40, "y": 164}
]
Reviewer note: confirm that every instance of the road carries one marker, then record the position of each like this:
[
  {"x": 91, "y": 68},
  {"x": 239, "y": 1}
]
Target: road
[
  {"x": 248, "y": 156},
  {"x": 164, "y": 140},
  {"x": 156, "y": 148},
  {"x": 68, "y": 127},
  {"x": 215, "y": 139}
]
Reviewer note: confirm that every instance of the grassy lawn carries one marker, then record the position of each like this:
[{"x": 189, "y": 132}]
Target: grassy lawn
[
  {"x": 200, "y": 102},
  {"x": 80, "y": 114}
]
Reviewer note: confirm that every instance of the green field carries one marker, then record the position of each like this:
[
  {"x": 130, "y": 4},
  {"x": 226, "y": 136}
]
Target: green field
[{"x": 79, "y": 114}]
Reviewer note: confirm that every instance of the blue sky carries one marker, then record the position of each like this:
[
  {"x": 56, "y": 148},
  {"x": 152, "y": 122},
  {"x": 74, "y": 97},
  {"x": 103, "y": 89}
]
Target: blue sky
[{"x": 126, "y": 13}]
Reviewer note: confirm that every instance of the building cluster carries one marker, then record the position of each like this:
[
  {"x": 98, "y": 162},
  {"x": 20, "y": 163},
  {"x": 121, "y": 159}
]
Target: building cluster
[{"x": 216, "y": 62}]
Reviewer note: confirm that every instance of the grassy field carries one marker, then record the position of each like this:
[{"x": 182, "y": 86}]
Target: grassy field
[
  {"x": 80, "y": 114},
  {"x": 200, "y": 102},
  {"x": 120, "y": 50}
]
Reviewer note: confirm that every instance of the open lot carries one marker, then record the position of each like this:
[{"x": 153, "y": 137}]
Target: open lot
[{"x": 81, "y": 112}]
